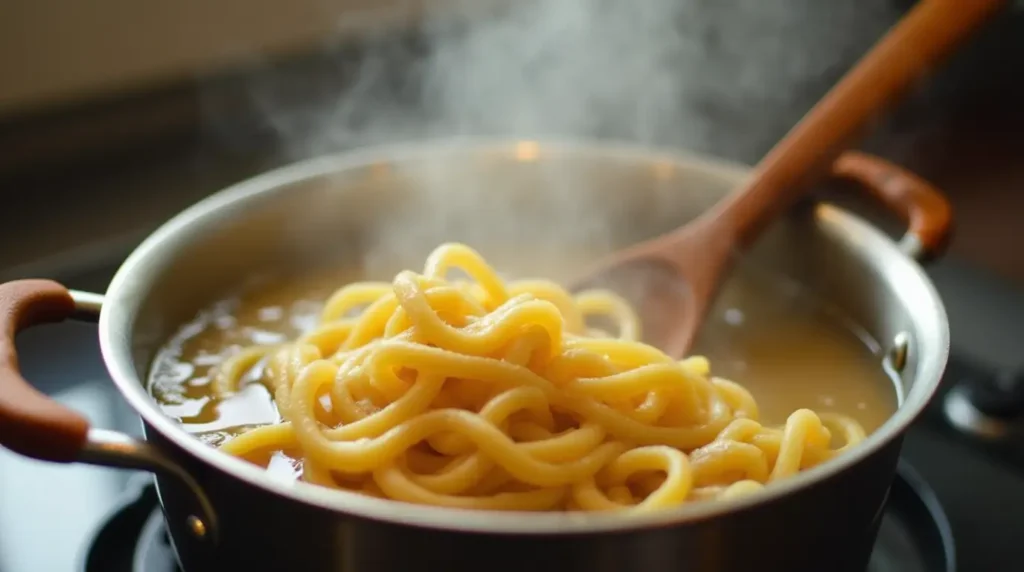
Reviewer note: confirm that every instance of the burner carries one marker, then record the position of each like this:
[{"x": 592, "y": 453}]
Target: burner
[
  {"x": 153, "y": 552},
  {"x": 132, "y": 537},
  {"x": 914, "y": 536}
]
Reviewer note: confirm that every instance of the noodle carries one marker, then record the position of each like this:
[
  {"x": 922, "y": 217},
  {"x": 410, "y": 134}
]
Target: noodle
[{"x": 485, "y": 395}]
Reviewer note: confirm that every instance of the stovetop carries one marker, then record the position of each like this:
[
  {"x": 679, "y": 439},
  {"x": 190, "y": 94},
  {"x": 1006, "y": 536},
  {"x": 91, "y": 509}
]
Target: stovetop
[{"x": 49, "y": 513}]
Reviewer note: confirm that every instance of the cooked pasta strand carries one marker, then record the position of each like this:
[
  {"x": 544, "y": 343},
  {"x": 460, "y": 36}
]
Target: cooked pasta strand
[{"x": 494, "y": 396}]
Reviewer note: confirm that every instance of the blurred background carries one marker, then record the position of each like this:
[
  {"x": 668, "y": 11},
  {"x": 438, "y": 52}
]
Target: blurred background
[{"x": 116, "y": 114}]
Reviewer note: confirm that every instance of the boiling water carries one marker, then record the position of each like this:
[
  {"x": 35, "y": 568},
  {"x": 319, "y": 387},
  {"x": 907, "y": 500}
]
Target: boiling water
[{"x": 788, "y": 350}]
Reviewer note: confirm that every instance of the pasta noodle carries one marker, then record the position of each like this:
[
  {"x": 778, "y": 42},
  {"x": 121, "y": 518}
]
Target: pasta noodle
[{"x": 482, "y": 394}]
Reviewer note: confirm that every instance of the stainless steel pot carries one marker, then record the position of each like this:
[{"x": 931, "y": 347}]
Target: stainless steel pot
[{"x": 381, "y": 210}]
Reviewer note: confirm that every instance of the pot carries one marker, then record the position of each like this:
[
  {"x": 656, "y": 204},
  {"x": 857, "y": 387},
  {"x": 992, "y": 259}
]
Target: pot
[{"x": 381, "y": 210}]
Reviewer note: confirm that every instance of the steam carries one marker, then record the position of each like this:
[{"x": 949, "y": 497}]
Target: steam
[{"x": 716, "y": 77}]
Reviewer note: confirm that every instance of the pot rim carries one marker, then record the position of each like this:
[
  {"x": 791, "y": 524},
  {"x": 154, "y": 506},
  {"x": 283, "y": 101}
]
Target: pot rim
[{"x": 123, "y": 297}]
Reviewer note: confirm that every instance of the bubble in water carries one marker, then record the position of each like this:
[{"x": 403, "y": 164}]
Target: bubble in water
[
  {"x": 172, "y": 372},
  {"x": 734, "y": 317},
  {"x": 204, "y": 358},
  {"x": 265, "y": 337},
  {"x": 225, "y": 322},
  {"x": 186, "y": 408},
  {"x": 270, "y": 313},
  {"x": 305, "y": 315}
]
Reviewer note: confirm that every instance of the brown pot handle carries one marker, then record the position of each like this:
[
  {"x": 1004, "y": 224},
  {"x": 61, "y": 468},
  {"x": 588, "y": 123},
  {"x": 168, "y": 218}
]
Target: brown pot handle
[
  {"x": 31, "y": 423},
  {"x": 37, "y": 426},
  {"x": 924, "y": 208}
]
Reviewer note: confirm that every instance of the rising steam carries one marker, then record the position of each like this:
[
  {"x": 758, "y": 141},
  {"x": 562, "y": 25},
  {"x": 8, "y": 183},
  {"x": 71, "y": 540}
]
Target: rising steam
[{"x": 720, "y": 77}]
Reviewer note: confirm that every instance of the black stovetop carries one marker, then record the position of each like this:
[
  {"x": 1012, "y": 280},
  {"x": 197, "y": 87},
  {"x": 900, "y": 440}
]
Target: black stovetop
[{"x": 49, "y": 514}]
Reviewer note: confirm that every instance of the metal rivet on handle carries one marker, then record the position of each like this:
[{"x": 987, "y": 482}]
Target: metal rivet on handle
[
  {"x": 897, "y": 355},
  {"x": 197, "y": 527}
]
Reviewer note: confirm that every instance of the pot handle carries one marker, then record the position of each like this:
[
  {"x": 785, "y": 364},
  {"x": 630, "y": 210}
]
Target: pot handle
[
  {"x": 34, "y": 425},
  {"x": 924, "y": 208}
]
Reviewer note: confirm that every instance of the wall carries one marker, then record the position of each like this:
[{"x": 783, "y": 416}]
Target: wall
[{"x": 52, "y": 51}]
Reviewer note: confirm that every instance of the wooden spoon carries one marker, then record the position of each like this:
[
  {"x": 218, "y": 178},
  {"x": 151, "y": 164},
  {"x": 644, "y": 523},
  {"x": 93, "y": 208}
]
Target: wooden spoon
[{"x": 676, "y": 275}]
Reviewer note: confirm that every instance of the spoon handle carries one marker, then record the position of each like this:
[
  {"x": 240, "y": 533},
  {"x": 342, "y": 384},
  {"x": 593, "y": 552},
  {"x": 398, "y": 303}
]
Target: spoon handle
[{"x": 911, "y": 48}]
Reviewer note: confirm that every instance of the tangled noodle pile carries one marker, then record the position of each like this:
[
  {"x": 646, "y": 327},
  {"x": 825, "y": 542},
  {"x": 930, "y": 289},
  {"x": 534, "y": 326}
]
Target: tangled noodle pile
[{"x": 484, "y": 395}]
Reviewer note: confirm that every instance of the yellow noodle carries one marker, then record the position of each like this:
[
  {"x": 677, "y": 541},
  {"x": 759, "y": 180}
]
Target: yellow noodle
[{"x": 494, "y": 396}]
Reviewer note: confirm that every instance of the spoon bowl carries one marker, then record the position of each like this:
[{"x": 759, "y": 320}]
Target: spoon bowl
[{"x": 673, "y": 279}]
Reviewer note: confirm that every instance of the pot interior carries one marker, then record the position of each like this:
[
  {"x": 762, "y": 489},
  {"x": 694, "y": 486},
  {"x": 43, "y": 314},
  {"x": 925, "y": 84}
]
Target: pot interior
[{"x": 532, "y": 210}]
